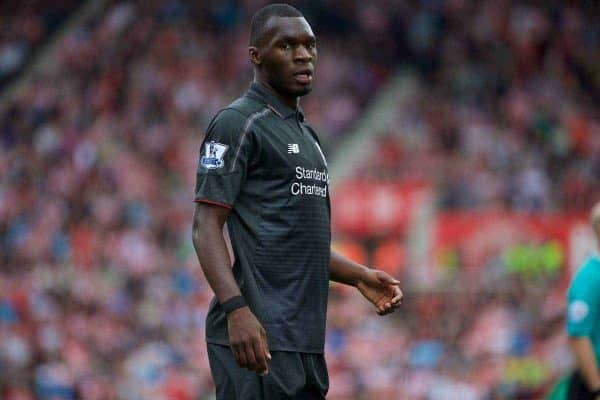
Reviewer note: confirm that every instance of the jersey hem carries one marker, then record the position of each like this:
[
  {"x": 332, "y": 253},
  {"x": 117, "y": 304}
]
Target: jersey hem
[{"x": 275, "y": 348}]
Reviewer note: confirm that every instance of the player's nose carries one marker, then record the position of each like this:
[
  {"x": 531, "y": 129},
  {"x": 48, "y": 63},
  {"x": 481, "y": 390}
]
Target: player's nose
[{"x": 302, "y": 54}]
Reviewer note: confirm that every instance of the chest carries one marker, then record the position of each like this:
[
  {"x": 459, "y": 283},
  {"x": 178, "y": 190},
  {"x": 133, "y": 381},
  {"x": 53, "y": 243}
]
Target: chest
[
  {"x": 290, "y": 167},
  {"x": 289, "y": 146}
]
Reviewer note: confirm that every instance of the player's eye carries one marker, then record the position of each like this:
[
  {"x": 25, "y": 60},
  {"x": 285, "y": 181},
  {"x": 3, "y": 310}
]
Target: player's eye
[{"x": 286, "y": 46}]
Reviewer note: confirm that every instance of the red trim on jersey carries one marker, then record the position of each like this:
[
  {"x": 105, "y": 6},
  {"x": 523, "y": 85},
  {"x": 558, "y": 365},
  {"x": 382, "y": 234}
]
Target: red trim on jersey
[
  {"x": 274, "y": 110},
  {"x": 214, "y": 203}
]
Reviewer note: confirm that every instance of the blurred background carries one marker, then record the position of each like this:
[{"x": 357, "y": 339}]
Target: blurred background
[{"x": 464, "y": 147}]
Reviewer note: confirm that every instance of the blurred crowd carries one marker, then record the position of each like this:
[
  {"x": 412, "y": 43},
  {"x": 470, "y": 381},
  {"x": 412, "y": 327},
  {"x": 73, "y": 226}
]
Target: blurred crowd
[
  {"x": 506, "y": 111},
  {"x": 101, "y": 296},
  {"x": 502, "y": 115},
  {"x": 25, "y": 26}
]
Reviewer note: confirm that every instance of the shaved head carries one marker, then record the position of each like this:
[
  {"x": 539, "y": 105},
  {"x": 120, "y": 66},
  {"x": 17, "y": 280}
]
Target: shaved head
[
  {"x": 283, "y": 52},
  {"x": 261, "y": 18}
]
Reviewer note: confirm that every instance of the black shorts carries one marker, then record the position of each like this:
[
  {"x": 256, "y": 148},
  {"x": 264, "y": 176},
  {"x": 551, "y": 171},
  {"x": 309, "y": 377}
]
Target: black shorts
[
  {"x": 298, "y": 376},
  {"x": 577, "y": 388}
]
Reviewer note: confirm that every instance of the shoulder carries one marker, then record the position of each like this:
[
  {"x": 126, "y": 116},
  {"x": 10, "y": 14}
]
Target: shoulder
[
  {"x": 238, "y": 115},
  {"x": 588, "y": 275},
  {"x": 590, "y": 268},
  {"x": 227, "y": 118},
  {"x": 227, "y": 125}
]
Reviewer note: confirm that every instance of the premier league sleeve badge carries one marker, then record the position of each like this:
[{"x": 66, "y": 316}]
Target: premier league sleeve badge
[{"x": 213, "y": 155}]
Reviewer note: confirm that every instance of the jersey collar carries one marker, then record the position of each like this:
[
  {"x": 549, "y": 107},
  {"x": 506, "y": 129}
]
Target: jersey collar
[{"x": 259, "y": 91}]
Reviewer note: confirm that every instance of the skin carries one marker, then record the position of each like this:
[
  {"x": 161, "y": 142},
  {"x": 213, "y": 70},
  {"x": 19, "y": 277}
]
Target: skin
[
  {"x": 287, "y": 47},
  {"x": 376, "y": 286},
  {"x": 582, "y": 346},
  {"x": 247, "y": 337}
]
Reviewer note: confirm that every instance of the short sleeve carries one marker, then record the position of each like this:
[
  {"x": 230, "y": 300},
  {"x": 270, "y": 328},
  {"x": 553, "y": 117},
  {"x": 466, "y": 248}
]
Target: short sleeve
[
  {"x": 582, "y": 308},
  {"x": 223, "y": 159}
]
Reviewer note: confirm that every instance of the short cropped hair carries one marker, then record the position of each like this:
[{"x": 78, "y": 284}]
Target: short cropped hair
[{"x": 262, "y": 16}]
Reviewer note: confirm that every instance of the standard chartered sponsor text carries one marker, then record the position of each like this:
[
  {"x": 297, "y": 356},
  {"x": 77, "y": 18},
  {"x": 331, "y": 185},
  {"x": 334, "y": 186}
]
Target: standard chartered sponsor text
[
  {"x": 318, "y": 188},
  {"x": 299, "y": 188},
  {"x": 314, "y": 174}
]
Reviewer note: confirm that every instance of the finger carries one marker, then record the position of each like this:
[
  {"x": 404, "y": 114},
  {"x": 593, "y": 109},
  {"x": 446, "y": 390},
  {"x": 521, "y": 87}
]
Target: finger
[
  {"x": 252, "y": 364},
  {"x": 385, "y": 303},
  {"x": 265, "y": 344},
  {"x": 239, "y": 355},
  {"x": 397, "y": 295},
  {"x": 389, "y": 309},
  {"x": 260, "y": 355}
]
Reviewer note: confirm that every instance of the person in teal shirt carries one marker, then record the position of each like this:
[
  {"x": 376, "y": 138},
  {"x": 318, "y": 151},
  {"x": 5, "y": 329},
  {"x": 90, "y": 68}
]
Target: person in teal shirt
[{"x": 583, "y": 323}]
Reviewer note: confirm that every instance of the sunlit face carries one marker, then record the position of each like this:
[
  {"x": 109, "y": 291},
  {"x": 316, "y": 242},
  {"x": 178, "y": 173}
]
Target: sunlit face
[{"x": 286, "y": 55}]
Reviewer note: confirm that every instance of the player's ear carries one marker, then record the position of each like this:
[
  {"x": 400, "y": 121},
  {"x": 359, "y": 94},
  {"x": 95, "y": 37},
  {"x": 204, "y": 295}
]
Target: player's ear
[{"x": 254, "y": 55}]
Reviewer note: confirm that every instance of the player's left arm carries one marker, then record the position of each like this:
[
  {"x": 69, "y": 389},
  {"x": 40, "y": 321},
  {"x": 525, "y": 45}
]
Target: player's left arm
[{"x": 377, "y": 286}]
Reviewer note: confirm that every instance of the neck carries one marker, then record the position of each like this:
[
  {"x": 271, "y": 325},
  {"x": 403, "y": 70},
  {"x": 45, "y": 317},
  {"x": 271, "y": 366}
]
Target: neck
[{"x": 290, "y": 101}]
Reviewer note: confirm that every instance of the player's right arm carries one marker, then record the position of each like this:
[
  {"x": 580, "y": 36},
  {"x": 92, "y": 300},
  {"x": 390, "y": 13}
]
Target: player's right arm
[
  {"x": 222, "y": 167},
  {"x": 247, "y": 337}
]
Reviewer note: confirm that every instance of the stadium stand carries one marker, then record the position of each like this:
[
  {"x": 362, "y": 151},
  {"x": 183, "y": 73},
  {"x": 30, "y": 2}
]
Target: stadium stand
[{"x": 27, "y": 26}]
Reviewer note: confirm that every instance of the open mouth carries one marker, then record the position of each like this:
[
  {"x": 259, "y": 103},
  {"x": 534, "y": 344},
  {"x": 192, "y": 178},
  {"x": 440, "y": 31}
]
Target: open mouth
[{"x": 304, "y": 77}]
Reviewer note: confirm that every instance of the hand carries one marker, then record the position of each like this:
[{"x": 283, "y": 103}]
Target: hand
[
  {"x": 382, "y": 290},
  {"x": 248, "y": 341}
]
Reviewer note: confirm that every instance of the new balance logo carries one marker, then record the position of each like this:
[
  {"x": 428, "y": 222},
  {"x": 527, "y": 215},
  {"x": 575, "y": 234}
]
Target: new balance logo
[{"x": 293, "y": 148}]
